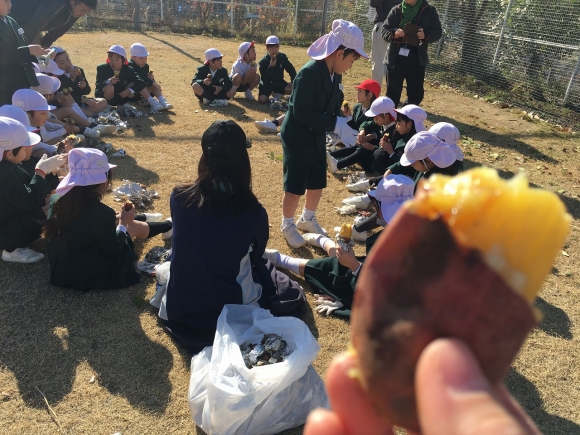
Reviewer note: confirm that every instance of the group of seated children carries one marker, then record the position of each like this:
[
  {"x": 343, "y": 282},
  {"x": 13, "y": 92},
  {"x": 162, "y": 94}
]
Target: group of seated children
[{"x": 212, "y": 84}]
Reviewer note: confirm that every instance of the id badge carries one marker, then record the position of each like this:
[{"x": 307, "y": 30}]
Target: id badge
[
  {"x": 20, "y": 31},
  {"x": 341, "y": 87},
  {"x": 404, "y": 52}
]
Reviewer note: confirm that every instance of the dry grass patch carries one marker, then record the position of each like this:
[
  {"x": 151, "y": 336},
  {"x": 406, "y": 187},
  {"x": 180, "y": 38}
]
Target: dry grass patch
[{"x": 102, "y": 360}]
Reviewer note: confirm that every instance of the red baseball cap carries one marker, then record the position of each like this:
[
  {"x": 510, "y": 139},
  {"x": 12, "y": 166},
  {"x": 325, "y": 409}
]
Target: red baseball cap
[{"x": 371, "y": 86}]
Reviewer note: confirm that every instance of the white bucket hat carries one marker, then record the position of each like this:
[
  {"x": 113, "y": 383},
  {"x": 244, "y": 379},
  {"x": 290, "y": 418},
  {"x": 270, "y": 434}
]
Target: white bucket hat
[
  {"x": 138, "y": 50},
  {"x": 48, "y": 84},
  {"x": 449, "y": 134},
  {"x": 16, "y": 113},
  {"x": 391, "y": 193},
  {"x": 117, "y": 49},
  {"x": 211, "y": 53},
  {"x": 415, "y": 113},
  {"x": 51, "y": 69},
  {"x": 381, "y": 106},
  {"x": 13, "y": 134},
  {"x": 343, "y": 33},
  {"x": 87, "y": 166},
  {"x": 28, "y": 99},
  {"x": 272, "y": 39},
  {"x": 427, "y": 144}
]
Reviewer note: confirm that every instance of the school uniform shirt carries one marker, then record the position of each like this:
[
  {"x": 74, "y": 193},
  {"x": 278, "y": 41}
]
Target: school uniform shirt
[
  {"x": 91, "y": 253},
  {"x": 20, "y": 204},
  {"x": 16, "y": 69},
  {"x": 219, "y": 78},
  {"x": 240, "y": 67},
  {"x": 141, "y": 71},
  {"x": 358, "y": 116},
  {"x": 77, "y": 93},
  {"x": 217, "y": 260},
  {"x": 126, "y": 75},
  {"x": 274, "y": 76}
]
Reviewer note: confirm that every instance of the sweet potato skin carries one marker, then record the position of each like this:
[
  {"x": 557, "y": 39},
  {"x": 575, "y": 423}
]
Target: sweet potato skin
[{"x": 417, "y": 285}]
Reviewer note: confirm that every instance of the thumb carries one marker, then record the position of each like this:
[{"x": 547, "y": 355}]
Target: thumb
[
  {"x": 455, "y": 398},
  {"x": 43, "y": 158}
]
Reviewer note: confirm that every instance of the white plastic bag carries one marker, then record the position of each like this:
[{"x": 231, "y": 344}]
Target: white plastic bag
[{"x": 227, "y": 398}]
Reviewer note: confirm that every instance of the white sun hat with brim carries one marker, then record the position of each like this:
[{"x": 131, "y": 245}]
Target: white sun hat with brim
[
  {"x": 138, "y": 50},
  {"x": 272, "y": 39},
  {"x": 47, "y": 84},
  {"x": 381, "y": 106},
  {"x": 117, "y": 49},
  {"x": 28, "y": 99},
  {"x": 448, "y": 133},
  {"x": 243, "y": 49},
  {"x": 51, "y": 69},
  {"x": 427, "y": 144},
  {"x": 88, "y": 166},
  {"x": 16, "y": 113},
  {"x": 13, "y": 134},
  {"x": 391, "y": 193},
  {"x": 211, "y": 53},
  {"x": 415, "y": 113},
  {"x": 343, "y": 33}
]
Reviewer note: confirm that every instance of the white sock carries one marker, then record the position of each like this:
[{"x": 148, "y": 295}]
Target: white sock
[
  {"x": 290, "y": 263},
  {"x": 286, "y": 222},
  {"x": 151, "y": 99},
  {"x": 235, "y": 87},
  {"x": 307, "y": 215},
  {"x": 78, "y": 110},
  {"x": 161, "y": 99},
  {"x": 321, "y": 241}
]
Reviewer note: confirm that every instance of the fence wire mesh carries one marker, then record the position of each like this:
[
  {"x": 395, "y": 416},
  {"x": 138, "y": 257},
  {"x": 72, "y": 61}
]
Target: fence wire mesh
[{"x": 526, "y": 52}]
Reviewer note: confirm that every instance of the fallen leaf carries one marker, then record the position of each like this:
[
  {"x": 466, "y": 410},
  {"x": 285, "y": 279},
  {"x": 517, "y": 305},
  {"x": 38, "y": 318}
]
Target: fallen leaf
[
  {"x": 565, "y": 254},
  {"x": 92, "y": 380}
]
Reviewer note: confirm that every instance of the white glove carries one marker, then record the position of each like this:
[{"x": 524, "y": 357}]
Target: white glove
[
  {"x": 51, "y": 164},
  {"x": 347, "y": 135},
  {"x": 324, "y": 306}
]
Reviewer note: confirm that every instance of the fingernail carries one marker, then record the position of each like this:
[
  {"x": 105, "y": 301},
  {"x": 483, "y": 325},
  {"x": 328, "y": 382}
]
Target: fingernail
[{"x": 459, "y": 369}]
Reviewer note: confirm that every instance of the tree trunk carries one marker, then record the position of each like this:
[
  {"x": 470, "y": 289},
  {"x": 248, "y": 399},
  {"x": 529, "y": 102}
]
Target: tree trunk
[{"x": 136, "y": 16}]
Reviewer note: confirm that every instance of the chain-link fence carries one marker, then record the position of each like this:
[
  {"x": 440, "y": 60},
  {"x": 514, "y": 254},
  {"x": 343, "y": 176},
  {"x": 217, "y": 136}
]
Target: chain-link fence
[{"x": 522, "y": 51}]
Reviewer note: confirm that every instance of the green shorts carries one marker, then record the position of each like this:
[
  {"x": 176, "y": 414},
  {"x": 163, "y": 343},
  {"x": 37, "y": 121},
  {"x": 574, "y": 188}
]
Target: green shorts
[{"x": 304, "y": 168}]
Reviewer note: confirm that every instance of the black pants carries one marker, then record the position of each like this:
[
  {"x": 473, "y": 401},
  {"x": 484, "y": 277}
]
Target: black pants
[
  {"x": 406, "y": 68},
  {"x": 352, "y": 155}
]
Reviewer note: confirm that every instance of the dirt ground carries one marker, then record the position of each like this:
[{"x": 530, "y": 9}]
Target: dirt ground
[{"x": 100, "y": 362}]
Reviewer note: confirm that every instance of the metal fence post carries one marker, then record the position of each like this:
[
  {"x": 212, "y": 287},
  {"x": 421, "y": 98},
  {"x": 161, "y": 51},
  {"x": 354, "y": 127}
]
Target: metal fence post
[
  {"x": 505, "y": 18},
  {"x": 324, "y": 7},
  {"x": 296, "y": 19},
  {"x": 572, "y": 78},
  {"x": 443, "y": 24},
  {"x": 232, "y": 16},
  {"x": 161, "y": 16}
]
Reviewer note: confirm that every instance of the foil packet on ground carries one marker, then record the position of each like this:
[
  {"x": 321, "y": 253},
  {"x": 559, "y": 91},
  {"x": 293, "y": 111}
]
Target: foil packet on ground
[
  {"x": 279, "y": 105},
  {"x": 113, "y": 118},
  {"x": 137, "y": 193},
  {"x": 355, "y": 177},
  {"x": 271, "y": 350},
  {"x": 332, "y": 140},
  {"x": 128, "y": 111},
  {"x": 155, "y": 257}
]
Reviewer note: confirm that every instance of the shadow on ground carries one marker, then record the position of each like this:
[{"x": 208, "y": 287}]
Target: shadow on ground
[
  {"x": 555, "y": 321},
  {"x": 529, "y": 398}
]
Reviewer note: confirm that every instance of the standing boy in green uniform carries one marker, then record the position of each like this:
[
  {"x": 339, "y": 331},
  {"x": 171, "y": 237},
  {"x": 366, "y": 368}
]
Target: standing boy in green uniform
[
  {"x": 211, "y": 81},
  {"x": 314, "y": 109},
  {"x": 16, "y": 68},
  {"x": 272, "y": 67}
]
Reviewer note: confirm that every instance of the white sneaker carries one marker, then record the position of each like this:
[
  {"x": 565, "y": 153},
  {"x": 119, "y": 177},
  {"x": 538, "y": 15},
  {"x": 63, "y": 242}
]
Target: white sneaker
[
  {"x": 156, "y": 106},
  {"x": 92, "y": 133},
  {"x": 273, "y": 255},
  {"x": 358, "y": 236},
  {"x": 249, "y": 95},
  {"x": 359, "y": 186},
  {"x": 332, "y": 163},
  {"x": 311, "y": 226},
  {"x": 106, "y": 129},
  {"x": 127, "y": 106},
  {"x": 167, "y": 105},
  {"x": 219, "y": 103},
  {"x": 168, "y": 234},
  {"x": 266, "y": 125},
  {"x": 359, "y": 201},
  {"x": 22, "y": 255},
  {"x": 153, "y": 217},
  {"x": 206, "y": 101},
  {"x": 312, "y": 239},
  {"x": 293, "y": 237}
]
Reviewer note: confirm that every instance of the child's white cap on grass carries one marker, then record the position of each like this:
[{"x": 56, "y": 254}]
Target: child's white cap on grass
[
  {"x": 212, "y": 53},
  {"x": 427, "y": 144},
  {"x": 417, "y": 114},
  {"x": 138, "y": 50},
  {"x": 272, "y": 39},
  {"x": 16, "y": 113},
  {"x": 117, "y": 49},
  {"x": 391, "y": 193},
  {"x": 243, "y": 48},
  {"x": 51, "y": 69},
  {"x": 381, "y": 106},
  {"x": 13, "y": 134},
  {"x": 343, "y": 33},
  {"x": 47, "y": 84},
  {"x": 29, "y": 99},
  {"x": 88, "y": 166}
]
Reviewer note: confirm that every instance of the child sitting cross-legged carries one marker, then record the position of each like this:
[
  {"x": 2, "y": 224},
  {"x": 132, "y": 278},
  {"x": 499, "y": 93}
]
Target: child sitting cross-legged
[
  {"x": 211, "y": 81},
  {"x": 138, "y": 62},
  {"x": 86, "y": 248}
]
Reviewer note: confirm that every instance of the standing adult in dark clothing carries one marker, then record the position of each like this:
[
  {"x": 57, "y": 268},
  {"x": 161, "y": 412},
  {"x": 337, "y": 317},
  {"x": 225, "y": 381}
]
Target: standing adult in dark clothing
[
  {"x": 379, "y": 45},
  {"x": 406, "y": 62},
  {"x": 55, "y": 17}
]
